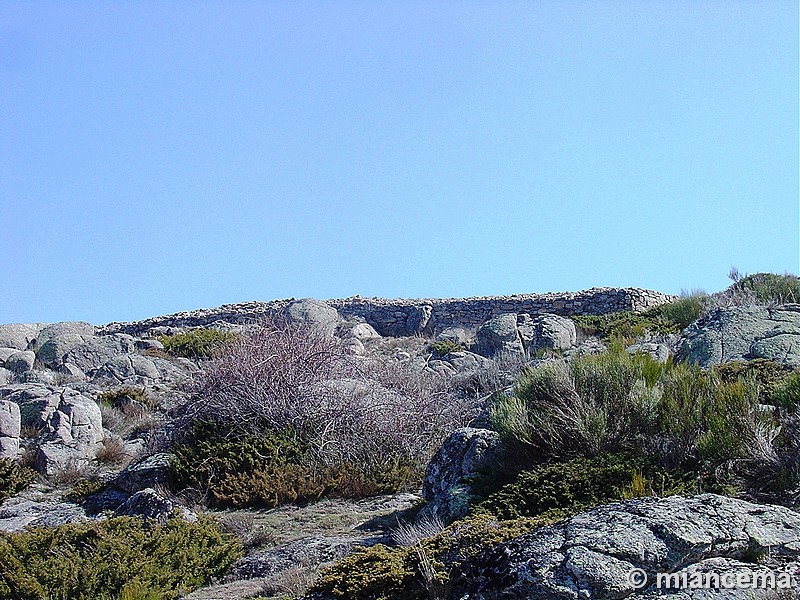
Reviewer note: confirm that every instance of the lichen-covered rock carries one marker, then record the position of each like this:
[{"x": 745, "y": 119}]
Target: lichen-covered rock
[
  {"x": 364, "y": 331},
  {"x": 17, "y": 514},
  {"x": 465, "y": 453},
  {"x": 658, "y": 352},
  {"x": 744, "y": 333},
  {"x": 315, "y": 313},
  {"x": 150, "y": 504},
  {"x": 546, "y": 331},
  {"x": 591, "y": 555},
  {"x": 10, "y": 426},
  {"x": 497, "y": 335},
  {"x": 150, "y": 471}
]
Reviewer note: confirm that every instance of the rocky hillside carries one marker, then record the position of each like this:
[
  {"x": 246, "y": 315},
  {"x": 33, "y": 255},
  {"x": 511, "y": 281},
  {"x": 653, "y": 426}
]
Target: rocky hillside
[{"x": 471, "y": 447}]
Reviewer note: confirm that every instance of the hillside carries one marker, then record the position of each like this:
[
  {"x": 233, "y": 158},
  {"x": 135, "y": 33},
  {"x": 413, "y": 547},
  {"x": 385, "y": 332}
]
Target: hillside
[{"x": 527, "y": 446}]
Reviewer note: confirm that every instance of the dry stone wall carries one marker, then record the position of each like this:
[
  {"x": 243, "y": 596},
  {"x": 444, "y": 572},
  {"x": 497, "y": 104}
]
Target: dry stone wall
[{"x": 396, "y": 317}]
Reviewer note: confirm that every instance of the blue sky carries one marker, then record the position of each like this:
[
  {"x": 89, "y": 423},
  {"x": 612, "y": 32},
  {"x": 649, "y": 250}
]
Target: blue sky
[{"x": 164, "y": 156}]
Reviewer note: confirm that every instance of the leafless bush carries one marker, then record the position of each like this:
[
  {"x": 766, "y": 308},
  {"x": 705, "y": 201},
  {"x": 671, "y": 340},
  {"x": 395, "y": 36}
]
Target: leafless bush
[
  {"x": 113, "y": 452},
  {"x": 292, "y": 582},
  {"x": 287, "y": 378}
]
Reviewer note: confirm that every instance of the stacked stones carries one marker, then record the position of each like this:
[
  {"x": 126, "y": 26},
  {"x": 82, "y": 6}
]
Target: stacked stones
[{"x": 400, "y": 317}]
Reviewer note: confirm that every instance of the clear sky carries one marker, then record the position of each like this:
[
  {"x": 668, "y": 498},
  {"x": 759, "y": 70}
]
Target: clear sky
[{"x": 163, "y": 156}]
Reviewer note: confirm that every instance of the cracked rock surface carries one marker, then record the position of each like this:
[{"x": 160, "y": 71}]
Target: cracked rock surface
[
  {"x": 591, "y": 555},
  {"x": 744, "y": 333}
]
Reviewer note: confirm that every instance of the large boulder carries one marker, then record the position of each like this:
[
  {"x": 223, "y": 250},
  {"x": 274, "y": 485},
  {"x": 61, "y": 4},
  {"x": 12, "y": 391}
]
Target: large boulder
[
  {"x": 466, "y": 453},
  {"x": 499, "y": 334},
  {"x": 131, "y": 369},
  {"x": 148, "y": 503},
  {"x": 10, "y": 426},
  {"x": 592, "y": 556},
  {"x": 20, "y": 513},
  {"x": 54, "y": 330},
  {"x": 20, "y": 362},
  {"x": 744, "y": 333},
  {"x": 314, "y": 313},
  {"x": 150, "y": 471},
  {"x": 546, "y": 331},
  {"x": 88, "y": 353},
  {"x": 19, "y": 336}
]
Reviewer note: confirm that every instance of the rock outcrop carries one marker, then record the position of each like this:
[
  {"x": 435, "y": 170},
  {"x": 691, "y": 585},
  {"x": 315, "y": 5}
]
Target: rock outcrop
[
  {"x": 592, "y": 555},
  {"x": 744, "y": 333},
  {"x": 466, "y": 453}
]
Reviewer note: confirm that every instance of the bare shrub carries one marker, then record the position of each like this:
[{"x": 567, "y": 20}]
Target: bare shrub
[
  {"x": 113, "y": 452},
  {"x": 366, "y": 413},
  {"x": 292, "y": 582}
]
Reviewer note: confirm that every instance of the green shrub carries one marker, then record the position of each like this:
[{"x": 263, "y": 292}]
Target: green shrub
[
  {"x": 424, "y": 570},
  {"x": 125, "y": 557},
  {"x": 770, "y": 287},
  {"x": 786, "y": 393},
  {"x": 672, "y": 317},
  {"x": 559, "y": 490},
  {"x": 445, "y": 347},
  {"x": 271, "y": 469},
  {"x": 128, "y": 400},
  {"x": 594, "y": 404},
  {"x": 13, "y": 478},
  {"x": 766, "y": 373},
  {"x": 681, "y": 312},
  {"x": 196, "y": 343}
]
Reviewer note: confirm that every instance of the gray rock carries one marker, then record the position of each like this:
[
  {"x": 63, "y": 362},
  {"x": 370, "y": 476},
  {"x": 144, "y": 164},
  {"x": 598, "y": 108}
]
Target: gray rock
[
  {"x": 353, "y": 346},
  {"x": 591, "y": 555},
  {"x": 10, "y": 423},
  {"x": 54, "y": 330},
  {"x": 19, "y": 336},
  {"x": 314, "y": 313},
  {"x": 53, "y": 458},
  {"x": 44, "y": 377},
  {"x": 150, "y": 504},
  {"x": 465, "y": 453},
  {"x": 88, "y": 353},
  {"x": 6, "y": 376},
  {"x": 546, "y": 331},
  {"x": 20, "y": 361},
  {"x": 6, "y": 352},
  {"x": 659, "y": 352},
  {"x": 132, "y": 369},
  {"x": 76, "y": 422},
  {"x": 364, "y": 331},
  {"x": 497, "y": 335},
  {"x": 305, "y": 551},
  {"x": 17, "y": 514},
  {"x": 419, "y": 320},
  {"x": 72, "y": 371},
  {"x": 9, "y": 447},
  {"x": 149, "y": 344},
  {"x": 744, "y": 333},
  {"x": 457, "y": 335},
  {"x": 148, "y": 472}
]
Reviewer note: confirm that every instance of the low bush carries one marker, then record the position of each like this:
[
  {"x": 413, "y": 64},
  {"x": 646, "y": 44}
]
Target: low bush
[
  {"x": 560, "y": 490},
  {"x": 13, "y": 478},
  {"x": 672, "y": 317},
  {"x": 426, "y": 569},
  {"x": 676, "y": 415},
  {"x": 197, "y": 343},
  {"x": 269, "y": 469},
  {"x": 766, "y": 373},
  {"x": 770, "y": 287},
  {"x": 593, "y": 404},
  {"x": 786, "y": 392},
  {"x": 123, "y": 557},
  {"x": 445, "y": 347}
]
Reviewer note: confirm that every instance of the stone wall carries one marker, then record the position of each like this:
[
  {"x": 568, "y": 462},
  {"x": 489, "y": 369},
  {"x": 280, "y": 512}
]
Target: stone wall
[{"x": 408, "y": 317}]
